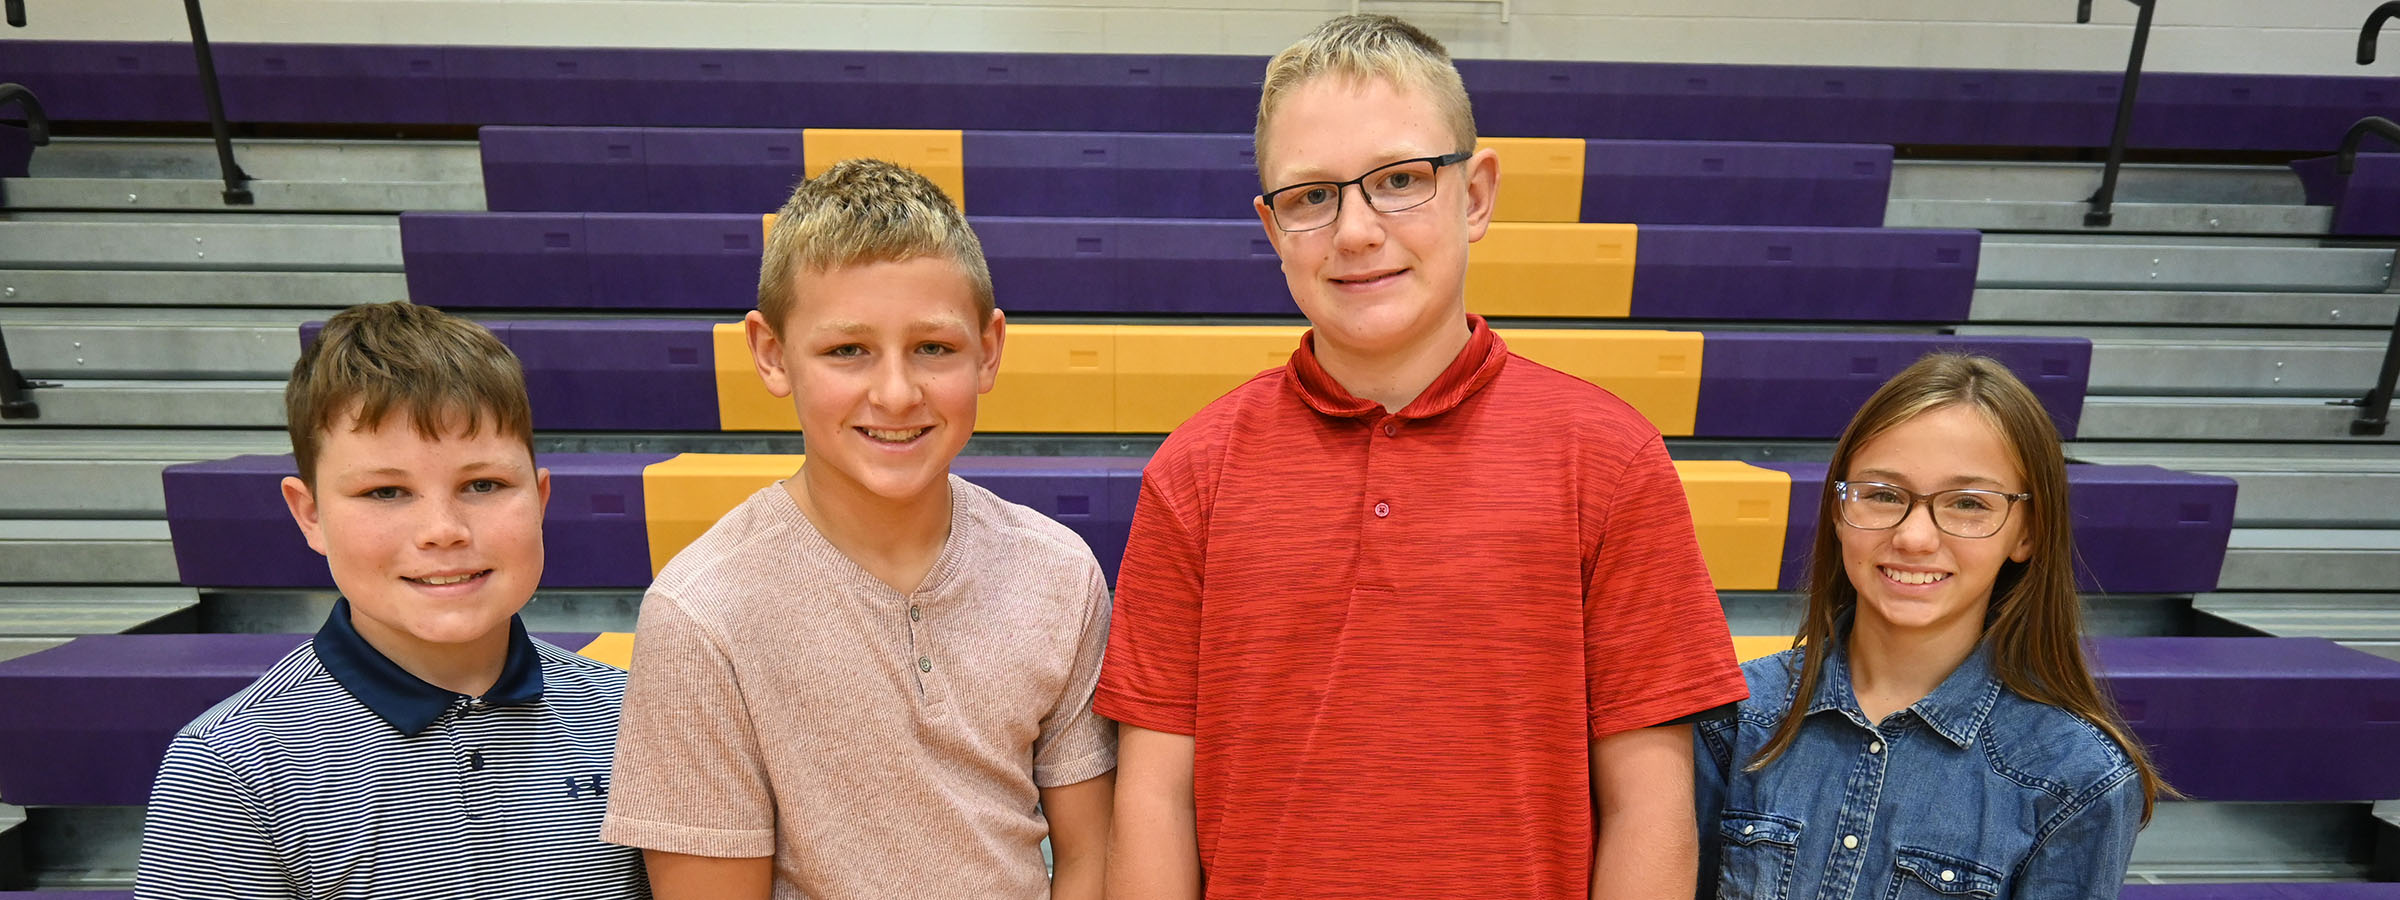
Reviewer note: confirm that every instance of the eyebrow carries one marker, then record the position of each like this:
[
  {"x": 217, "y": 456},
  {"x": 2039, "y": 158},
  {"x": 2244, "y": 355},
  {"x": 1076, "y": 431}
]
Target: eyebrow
[
  {"x": 481, "y": 465},
  {"x": 921, "y": 326},
  {"x": 1307, "y": 174},
  {"x": 1954, "y": 482}
]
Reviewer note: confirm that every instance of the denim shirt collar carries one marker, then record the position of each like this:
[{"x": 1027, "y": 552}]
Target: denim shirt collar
[
  {"x": 1956, "y": 709},
  {"x": 404, "y": 700}
]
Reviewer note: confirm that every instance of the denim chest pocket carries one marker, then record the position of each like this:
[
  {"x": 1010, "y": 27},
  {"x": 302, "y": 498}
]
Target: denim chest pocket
[
  {"x": 1924, "y": 875},
  {"x": 1759, "y": 852}
]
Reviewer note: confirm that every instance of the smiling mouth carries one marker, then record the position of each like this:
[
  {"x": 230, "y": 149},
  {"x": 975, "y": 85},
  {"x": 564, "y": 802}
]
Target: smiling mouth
[
  {"x": 894, "y": 435},
  {"x": 1376, "y": 278},
  {"x": 1913, "y": 577},
  {"x": 445, "y": 580}
]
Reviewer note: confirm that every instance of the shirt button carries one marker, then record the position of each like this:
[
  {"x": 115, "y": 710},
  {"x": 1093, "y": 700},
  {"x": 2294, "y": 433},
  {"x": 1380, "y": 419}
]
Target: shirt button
[
  {"x": 1749, "y": 829},
  {"x": 924, "y": 664},
  {"x": 1874, "y": 746},
  {"x": 1382, "y": 510},
  {"x": 1391, "y": 430},
  {"x": 1849, "y": 842},
  {"x": 914, "y": 614},
  {"x": 1948, "y": 875}
]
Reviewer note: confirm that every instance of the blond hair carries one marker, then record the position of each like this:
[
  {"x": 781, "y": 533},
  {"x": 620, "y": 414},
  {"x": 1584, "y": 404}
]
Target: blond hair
[
  {"x": 1361, "y": 48},
  {"x": 2035, "y": 624},
  {"x": 378, "y": 359},
  {"x": 865, "y": 211}
]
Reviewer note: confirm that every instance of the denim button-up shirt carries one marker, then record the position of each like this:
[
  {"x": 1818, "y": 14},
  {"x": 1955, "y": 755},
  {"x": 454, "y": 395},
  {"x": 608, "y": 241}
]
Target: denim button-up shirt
[{"x": 1971, "y": 792}]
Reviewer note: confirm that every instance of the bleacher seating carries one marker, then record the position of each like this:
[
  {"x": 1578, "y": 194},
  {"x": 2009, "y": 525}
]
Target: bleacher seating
[{"x": 2365, "y": 202}]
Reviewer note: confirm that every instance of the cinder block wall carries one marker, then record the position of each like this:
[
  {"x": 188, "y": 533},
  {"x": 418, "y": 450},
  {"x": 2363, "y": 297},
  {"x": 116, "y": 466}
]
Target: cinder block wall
[{"x": 2243, "y": 36}]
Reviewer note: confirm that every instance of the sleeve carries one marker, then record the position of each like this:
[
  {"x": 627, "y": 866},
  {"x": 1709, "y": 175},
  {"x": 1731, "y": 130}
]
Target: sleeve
[
  {"x": 1076, "y": 744},
  {"x": 1655, "y": 642},
  {"x": 689, "y": 777},
  {"x": 1151, "y": 677},
  {"x": 2084, "y": 856},
  {"x": 205, "y": 834},
  {"x": 1712, "y": 765}
]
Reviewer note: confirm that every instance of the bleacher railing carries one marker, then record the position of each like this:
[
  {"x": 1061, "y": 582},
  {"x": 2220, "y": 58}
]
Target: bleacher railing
[
  {"x": 2375, "y": 417},
  {"x": 2104, "y": 200},
  {"x": 237, "y": 182},
  {"x": 14, "y": 388},
  {"x": 2366, "y": 36}
]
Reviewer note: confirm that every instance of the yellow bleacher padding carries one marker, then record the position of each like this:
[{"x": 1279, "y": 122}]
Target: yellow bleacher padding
[
  {"x": 743, "y": 403},
  {"x": 1165, "y": 373},
  {"x": 613, "y": 647},
  {"x": 938, "y": 154},
  {"x": 1554, "y": 270},
  {"x": 1054, "y": 378},
  {"x": 1656, "y": 371},
  {"x": 1739, "y": 511},
  {"x": 684, "y": 495},
  {"x": 766, "y": 228},
  {"x": 1747, "y": 647},
  {"x": 1541, "y": 179}
]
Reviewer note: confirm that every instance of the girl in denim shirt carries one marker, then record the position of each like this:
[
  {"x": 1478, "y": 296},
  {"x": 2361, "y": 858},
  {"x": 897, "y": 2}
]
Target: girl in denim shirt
[{"x": 1936, "y": 732}]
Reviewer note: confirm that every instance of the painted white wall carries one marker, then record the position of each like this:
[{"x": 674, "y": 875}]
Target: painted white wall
[{"x": 2249, "y": 36}]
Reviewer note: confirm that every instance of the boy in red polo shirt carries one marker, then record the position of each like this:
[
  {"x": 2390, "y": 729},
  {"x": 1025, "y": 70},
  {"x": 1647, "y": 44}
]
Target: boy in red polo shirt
[{"x": 1411, "y": 616}]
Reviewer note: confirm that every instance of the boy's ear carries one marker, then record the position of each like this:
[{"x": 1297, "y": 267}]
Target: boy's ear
[
  {"x": 1483, "y": 191},
  {"x": 766, "y": 353},
  {"x": 303, "y": 503},
  {"x": 995, "y": 333},
  {"x": 541, "y": 485}
]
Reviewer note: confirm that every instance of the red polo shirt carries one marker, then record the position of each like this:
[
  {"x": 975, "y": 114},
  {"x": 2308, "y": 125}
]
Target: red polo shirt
[{"x": 1393, "y": 636}]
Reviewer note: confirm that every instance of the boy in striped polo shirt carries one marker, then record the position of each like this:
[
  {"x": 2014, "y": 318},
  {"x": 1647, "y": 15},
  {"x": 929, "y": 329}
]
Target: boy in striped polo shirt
[{"x": 421, "y": 745}]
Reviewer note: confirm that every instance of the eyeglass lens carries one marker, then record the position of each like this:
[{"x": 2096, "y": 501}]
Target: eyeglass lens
[
  {"x": 1389, "y": 189},
  {"x": 1965, "y": 513}
]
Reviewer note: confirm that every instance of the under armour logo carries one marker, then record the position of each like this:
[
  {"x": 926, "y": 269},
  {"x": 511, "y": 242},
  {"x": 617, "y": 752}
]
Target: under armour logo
[{"x": 579, "y": 787}]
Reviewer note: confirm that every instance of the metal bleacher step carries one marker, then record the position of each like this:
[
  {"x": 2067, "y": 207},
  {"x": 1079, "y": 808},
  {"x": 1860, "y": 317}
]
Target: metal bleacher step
[
  {"x": 184, "y": 403},
  {"x": 101, "y": 287},
  {"x": 2282, "y": 485},
  {"x": 37, "y": 618},
  {"x": 2173, "y": 418},
  {"x": 73, "y": 473},
  {"x": 200, "y": 241},
  {"x": 310, "y": 175},
  {"x": 208, "y": 195},
  {"x": 2051, "y": 197},
  {"x": 2111, "y": 262},
  {"x": 2220, "y": 361},
  {"x": 2363, "y": 621},
  {"x": 86, "y": 551},
  {"x": 2255, "y": 309},
  {"x": 86, "y": 342},
  {"x": 2311, "y": 559}
]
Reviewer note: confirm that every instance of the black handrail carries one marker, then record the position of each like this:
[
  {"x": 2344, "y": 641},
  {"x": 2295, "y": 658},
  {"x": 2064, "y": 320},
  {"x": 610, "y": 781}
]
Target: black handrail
[
  {"x": 2366, "y": 36},
  {"x": 16, "y": 401},
  {"x": 16, "y": 13},
  {"x": 237, "y": 182},
  {"x": 37, "y": 123},
  {"x": 2104, "y": 200},
  {"x": 2376, "y": 407}
]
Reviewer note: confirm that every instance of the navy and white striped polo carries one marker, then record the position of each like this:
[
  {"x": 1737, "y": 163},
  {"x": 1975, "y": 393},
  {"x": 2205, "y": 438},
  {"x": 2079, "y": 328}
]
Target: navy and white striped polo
[{"x": 340, "y": 775}]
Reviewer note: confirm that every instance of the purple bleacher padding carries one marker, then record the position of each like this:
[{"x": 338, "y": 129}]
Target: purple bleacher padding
[
  {"x": 108, "y": 80},
  {"x": 1808, "y": 384},
  {"x": 1196, "y": 176},
  {"x": 87, "y": 722},
  {"x": 544, "y": 85},
  {"x": 563, "y": 169},
  {"x": 640, "y": 374},
  {"x": 2138, "y": 529},
  {"x": 231, "y": 529},
  {"x": 1840, "y": 274},
  {"x": 502, "y": 260},
  {"x": 1093, "y": 496},
  {"x": 16, "y": 150},
  {"x": 700, "y": 261},
  {"x": 1132, "y": 266},
  {"x": 294, "y": 82},
  {"x": 2252, "y": 719},
  {"x": 2365, "y": 202},
  {"x": 2262, "y": 891},
  {"x": 725, "y": 170},
  {"x": 1723, "y": 183},
  {"x": 718, "y": 87}
]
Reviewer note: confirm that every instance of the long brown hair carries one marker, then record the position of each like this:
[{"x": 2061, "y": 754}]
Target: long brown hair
[{"x": 2035, "y": 623}]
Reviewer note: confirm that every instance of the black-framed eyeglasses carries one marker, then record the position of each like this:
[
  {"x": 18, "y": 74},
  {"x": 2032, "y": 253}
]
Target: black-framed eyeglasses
[
  {"x": 1965, "y": 512},
  {"x": 1390, "y": 188}
]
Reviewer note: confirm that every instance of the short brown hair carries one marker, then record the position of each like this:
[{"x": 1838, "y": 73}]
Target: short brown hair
[
  {"x": 1361, "y": 48},
  {"x": 377, "y": 359},
  {"x": 866, "y": 211}
]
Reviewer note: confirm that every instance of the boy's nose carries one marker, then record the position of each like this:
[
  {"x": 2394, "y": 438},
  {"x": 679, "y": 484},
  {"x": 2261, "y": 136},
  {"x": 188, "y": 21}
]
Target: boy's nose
[
  {"x": 1356, "y": 225},
  {"x": 445, "y": 525},
  {"x": 895, "y": 386}
]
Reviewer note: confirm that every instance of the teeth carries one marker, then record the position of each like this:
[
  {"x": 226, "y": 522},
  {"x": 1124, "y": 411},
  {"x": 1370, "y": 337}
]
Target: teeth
[
  {"x": 449, "y": 579},
  {"x": 895, "y": 437},
  {"x": 1913, "y": 577}
]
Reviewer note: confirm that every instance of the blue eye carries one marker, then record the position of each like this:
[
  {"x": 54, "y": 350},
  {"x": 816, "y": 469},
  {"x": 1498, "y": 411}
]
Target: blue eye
[
  {"x": 484, "y": 486},
  {"x": 846, "y": 351},
  {"x": 382, "y": 493}
]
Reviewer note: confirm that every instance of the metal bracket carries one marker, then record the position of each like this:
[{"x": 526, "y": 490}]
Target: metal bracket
[
  {"x": 14, "y": 389},
  {"x": 2103, "y": 201},
  {"x": 237, "y": 182}
]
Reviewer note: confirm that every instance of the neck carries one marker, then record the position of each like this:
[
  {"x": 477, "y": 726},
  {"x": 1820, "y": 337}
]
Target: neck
[
  {"x": 469, "y": 668},
  {"x": 1394, "y": 378},
  {"x": 883, "y": 534},
  {"x": 1891, "y": 668}
]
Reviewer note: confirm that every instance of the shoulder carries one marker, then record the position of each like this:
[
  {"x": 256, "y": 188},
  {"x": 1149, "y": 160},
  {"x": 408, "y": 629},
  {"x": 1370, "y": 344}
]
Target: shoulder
[
  {"x": 1027, "y": 538},
  {"x": 751, "y": 544},
  {"x": 564, "y": 668},
  {"x": 1195, "y": 447},
  {"x": 288, "y": 698},
  {"x": 2051, "y": 749},
  {"x": 1525, "y": 383},
  {"x": 1772, "y": 681}
]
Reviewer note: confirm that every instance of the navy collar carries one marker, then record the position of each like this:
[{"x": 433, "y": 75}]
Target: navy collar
[
  {"x": 1955, "y": 710},
  {"x": 404, "y": 700}
]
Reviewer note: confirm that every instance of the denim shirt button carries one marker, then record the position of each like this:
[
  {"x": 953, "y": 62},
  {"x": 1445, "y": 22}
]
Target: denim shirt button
[
  {"x": 1948, "y": 875},
  {"x": 1749, "y": 829},
  {"x": 1849, "y": 842},
  {"x": 1874, "y": 746}
]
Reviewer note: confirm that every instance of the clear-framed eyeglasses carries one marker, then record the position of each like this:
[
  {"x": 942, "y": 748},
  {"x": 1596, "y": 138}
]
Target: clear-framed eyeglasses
[
  {"x": 1965, "y": 512},
  {"x": 1406, "y": 184}
]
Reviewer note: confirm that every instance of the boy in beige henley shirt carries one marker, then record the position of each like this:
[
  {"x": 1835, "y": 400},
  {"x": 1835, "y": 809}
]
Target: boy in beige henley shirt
[{"x": 873, "y": 679}]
